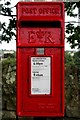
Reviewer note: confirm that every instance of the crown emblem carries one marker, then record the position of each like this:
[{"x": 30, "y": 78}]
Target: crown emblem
[{"x": 40, "y": 34}]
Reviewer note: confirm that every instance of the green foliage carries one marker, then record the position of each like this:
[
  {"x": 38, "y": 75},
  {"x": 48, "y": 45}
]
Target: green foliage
[
  {"x": 69, "y": 7},
  {"x": 69, "y": 59},
  {"x": 74, "y": 32},
  {"x": 74, "y": 35},
  {"x": 72, "y": 83},
  {"x": 9, "y": 55},
  {"x": 8, "y": 31},
  {"x": 76, "y": 58},
  {"x": 5, "y": 9},
  {"x": 8, "y": 82}
]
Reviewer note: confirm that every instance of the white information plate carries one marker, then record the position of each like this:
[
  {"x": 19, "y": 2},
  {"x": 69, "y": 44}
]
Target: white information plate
[{"x": 40, "y": 75}]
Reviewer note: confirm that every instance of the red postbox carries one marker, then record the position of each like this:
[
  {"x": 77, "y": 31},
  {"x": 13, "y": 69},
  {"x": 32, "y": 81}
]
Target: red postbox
[{"x": 40, "y": 59}]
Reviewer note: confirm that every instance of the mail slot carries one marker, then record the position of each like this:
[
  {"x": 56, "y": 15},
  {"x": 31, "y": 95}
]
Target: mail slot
[{"x": 40, "y": 59}]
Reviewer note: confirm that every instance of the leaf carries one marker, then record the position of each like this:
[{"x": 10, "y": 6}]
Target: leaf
[{"x": 7, "y": 3}]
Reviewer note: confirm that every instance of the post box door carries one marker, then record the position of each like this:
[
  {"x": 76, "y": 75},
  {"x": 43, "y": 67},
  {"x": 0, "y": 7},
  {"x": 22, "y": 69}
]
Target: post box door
[{"x": 41, "y": 81}]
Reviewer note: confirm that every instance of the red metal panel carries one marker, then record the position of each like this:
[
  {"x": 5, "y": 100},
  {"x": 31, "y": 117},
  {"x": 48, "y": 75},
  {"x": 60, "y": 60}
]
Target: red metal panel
[
  {"x": 33, "y": 33},
  {"x": 39, "y": 36},
  {"x": 40, "y": 11}
]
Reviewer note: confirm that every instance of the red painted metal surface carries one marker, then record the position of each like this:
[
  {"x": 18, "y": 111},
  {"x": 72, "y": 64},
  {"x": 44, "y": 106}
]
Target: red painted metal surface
[{"x": 40, "y": 25}]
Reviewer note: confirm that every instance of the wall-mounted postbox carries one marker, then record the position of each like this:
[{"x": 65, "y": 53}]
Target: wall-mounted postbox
[{"x": 40, "y": 59}]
